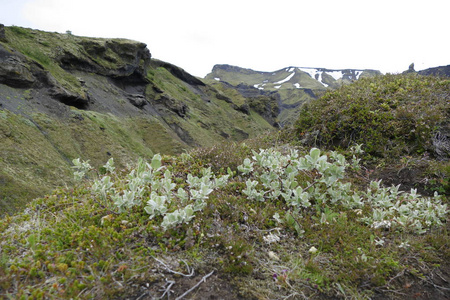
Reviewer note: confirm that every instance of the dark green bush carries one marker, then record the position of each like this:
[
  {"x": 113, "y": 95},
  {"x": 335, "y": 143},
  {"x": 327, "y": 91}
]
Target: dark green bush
[{"x": 390, "y": 115}]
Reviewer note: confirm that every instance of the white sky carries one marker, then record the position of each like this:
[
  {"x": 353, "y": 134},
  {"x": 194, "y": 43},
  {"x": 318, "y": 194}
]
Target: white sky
[{"x": 386, "y": 35}]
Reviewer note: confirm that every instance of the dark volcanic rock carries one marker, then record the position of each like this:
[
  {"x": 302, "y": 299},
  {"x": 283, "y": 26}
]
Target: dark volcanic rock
[
  {"x": 438, "y": 71},
  {"x": 410, "y": 69},
  {"x": 115, "y": 58},
  {"x": 137, "y": 100},
  {"x": 180, "y": 73},
  {"x": 68, "y": 98},
  {"x": 2, "y": 33},
  {"x": 15, "y": 70},
  {"x": 166, "y": 102}
]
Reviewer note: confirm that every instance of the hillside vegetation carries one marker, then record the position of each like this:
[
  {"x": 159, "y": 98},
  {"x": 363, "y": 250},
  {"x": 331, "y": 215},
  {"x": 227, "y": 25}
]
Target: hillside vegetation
[
  {"x": 392, "y": 115},
  {"x": 273, "y": 217},
  {"x": 401, "y": 120},
  {"x": 64, "y": 96}
]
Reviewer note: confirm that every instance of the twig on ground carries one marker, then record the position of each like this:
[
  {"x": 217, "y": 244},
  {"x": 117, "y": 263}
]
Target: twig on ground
[
  {"x": 430, "y": 281},
  {"x": 141, "y": 296},
  {"x": 396, "y": 276},
  {"x": 295, "y": 294},
  {"x": 166, "y": 288},
  {"x": 195, "y": 286},
  {"x": 191, "y": 272}
]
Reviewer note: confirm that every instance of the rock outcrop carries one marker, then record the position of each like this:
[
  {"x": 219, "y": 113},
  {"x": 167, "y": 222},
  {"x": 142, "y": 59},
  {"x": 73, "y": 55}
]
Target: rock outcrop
[
  {"x": 179, "y": 73},
  {"x": 116, "y": 58},
  {"x": 410, "y": 69},
  {"x": 2, "y": 33},
  {"x": 16, "y": 70}
]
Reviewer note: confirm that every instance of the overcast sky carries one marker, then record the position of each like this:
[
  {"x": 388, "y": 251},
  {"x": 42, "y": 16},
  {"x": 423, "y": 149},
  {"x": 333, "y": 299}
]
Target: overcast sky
[{"x": 386, "y": 35}]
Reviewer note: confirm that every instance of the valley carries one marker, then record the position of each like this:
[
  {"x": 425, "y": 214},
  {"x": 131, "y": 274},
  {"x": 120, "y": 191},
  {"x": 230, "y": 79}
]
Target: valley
[{"x": 125, "y": 177}]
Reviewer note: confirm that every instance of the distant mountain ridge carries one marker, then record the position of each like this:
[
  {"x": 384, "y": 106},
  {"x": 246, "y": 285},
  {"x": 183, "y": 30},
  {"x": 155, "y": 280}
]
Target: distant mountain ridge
[
  {"x": 290, "y": 77},
  {"x": 436, "y": 71},
  {"x": 293, "y": 86}
]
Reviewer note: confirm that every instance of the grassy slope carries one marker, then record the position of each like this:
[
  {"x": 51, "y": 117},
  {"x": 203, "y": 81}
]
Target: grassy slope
[
  {"x": 41, "y": 136},
  {"x": 73, "y": 245}
]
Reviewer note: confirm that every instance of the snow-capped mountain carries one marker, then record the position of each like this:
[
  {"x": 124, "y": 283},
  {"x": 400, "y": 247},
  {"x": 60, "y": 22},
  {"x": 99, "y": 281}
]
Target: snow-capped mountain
[
  {"x": 293, "y": 86},
  {"x": 288, "y": 78}
]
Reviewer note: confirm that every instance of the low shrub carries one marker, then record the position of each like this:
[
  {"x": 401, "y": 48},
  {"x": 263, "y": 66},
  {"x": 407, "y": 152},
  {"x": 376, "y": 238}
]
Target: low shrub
[{"x": 392, "y": 115}]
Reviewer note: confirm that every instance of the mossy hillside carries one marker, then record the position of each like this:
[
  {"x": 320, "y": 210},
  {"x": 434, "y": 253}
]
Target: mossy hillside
[
  {"x": 228, "y": 91},
  {"x": 73, "y": 244},
  {"x": 209, "y": 119},
  {"x": 236, "y": 75},
  {"x": 292, "y": 101},
  {"x": 391, "y": 115},
  {"x": 95, "y": 136},
  {"x": 53, "y": 50},
  {"x": 173, "y": 115},
  {"x": 29, "y": 165},
  {"x": 36, "y": 155}
]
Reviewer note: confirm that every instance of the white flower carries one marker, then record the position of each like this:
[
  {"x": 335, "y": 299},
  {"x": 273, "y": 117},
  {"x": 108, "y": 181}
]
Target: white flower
[
  {"x": 404, "y": 245},
  {"x": 312, "y": 250}
]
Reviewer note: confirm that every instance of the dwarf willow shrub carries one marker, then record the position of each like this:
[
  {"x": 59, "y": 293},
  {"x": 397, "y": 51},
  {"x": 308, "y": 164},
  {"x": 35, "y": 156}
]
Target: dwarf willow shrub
[
  {"x": 314, "y": 182},
  {"x": 151, "y": 185},
  {"x": 272, "y": 175}
]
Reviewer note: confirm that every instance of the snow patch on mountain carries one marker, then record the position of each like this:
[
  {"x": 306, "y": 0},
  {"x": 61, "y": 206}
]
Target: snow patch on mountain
[
  {"x": 286, "y": 79},
  {"x": 336, "y": 74},
  {"x": 259, "y": 86},
  {"x": 311, "y": 71},
  {"x": 295, "y": 77}
]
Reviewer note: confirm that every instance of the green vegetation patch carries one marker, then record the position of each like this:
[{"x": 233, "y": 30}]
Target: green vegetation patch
[
  {"x": 391, "y": 115},
  {"x": 281, "y": 222},
  {"x": 36, "y": 153}
]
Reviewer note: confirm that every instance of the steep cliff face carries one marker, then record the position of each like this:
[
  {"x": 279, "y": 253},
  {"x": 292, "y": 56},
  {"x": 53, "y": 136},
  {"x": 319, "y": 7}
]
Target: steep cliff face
[
  {"x": 292, "y": 86},
  {"x": 64, "y": 97}
]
